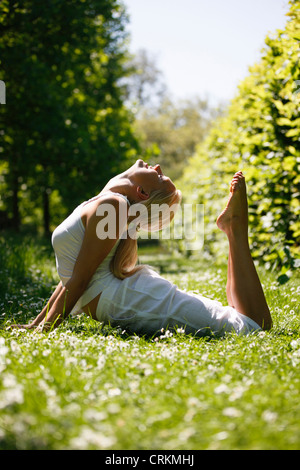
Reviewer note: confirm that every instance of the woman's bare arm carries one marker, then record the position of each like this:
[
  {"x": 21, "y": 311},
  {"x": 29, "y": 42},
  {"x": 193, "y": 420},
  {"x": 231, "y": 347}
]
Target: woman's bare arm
[
  {"x": 62, "y": 304},
  {"x": 93, "y": 251},
  {"x": 47, "y": 307}
]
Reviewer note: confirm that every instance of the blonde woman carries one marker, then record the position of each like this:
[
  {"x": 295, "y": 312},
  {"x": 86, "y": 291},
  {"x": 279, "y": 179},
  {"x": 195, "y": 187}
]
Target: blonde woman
[{"x": 96, "y": 255}]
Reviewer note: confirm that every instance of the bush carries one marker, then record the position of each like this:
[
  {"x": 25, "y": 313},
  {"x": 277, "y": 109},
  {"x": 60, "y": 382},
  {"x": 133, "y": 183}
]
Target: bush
[{"x": 259, "y": 135}]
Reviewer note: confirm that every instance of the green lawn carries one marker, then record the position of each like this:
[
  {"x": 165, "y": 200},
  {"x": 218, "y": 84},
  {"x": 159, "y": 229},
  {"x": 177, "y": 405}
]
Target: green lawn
[{"x": 85, "y": 386}]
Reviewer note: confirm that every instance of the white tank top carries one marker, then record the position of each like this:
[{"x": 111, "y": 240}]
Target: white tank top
[{"x": 66, "y": 241}]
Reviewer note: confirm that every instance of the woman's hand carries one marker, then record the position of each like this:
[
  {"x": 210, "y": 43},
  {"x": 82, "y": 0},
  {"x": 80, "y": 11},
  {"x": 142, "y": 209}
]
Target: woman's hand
[
  {"x": 21, "y": 327},
  {"x": 32, "y": 326}
]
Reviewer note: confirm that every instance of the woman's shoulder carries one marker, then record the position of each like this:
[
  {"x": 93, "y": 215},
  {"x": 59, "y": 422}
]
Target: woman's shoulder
[{"x": 112, "y": 203}]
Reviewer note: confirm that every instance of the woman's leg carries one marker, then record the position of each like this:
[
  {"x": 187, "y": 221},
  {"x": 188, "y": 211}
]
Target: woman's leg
[
  {"x": 243, "y": 286},
  {"x": 228, "y": 285}
]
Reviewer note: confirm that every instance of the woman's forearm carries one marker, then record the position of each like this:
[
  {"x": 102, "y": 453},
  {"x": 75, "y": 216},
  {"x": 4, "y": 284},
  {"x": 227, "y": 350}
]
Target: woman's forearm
[
  {"x": 63, "y": 304},
  {"x": 57, "y": 311},
  {"x": 47, "y": 307}
]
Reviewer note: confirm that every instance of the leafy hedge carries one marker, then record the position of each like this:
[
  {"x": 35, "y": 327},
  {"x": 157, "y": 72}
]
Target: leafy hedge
[{"x": 259, "y": 135}]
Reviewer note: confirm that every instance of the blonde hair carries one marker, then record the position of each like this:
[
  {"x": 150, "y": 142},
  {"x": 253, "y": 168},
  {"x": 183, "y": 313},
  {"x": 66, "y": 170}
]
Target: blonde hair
[{"x": 123, "y": 263}]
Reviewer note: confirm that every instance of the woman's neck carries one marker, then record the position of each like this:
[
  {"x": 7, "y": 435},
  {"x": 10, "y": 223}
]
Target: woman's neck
[{"x": 121, "y": 184}]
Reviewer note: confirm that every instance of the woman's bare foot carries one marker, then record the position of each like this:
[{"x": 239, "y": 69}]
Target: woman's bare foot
[{"x": 235, "y": 215}]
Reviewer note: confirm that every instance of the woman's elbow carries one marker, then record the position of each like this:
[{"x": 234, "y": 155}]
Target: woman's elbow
[{"x": 76, "y": 285}]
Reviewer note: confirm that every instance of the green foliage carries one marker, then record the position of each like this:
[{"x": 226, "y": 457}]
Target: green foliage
[
  {"x": 168, "y": 130},
  {"x": 64, "y": 127},
  {"x": 169, "y": 133},
  {"x": 259, "y": 135}
]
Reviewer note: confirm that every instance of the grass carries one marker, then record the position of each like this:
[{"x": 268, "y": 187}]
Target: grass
[{"x": 87, "y": 386}]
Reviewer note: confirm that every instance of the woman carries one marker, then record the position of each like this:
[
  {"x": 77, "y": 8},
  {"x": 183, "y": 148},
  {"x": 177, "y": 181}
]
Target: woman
[{"x": 99, "y": 274}]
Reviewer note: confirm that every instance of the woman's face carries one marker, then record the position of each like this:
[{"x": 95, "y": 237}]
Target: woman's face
[{"x": 151, "y": 178}]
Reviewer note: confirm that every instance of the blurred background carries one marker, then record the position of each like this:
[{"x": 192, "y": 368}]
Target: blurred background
[
  {"x": 206, "y": 88},
  {"x": 203, "y": 48}
]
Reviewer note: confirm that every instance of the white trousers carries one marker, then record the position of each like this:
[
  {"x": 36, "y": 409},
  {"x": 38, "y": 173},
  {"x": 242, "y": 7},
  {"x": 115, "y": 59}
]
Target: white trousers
[{"x": 145, "y": 303}]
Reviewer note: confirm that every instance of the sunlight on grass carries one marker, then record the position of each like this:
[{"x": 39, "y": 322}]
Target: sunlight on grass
[{"x": 87, "y": 386}]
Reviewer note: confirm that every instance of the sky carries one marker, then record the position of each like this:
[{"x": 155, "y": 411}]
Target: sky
[{"x": 204, "y": 47}]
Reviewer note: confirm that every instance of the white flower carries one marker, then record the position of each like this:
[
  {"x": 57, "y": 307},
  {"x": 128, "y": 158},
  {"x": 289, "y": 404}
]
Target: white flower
[
  {"x": 3, "y": 349},
  {"x": 232, "y": 412},
  {"x": 193, "y": 401},
  {"x": 113, "y": 392},
  {"x": 221, "y": 436},
  {"x": 9, "y": 381},
  {"x": 13, "y": 394},
  {"x": 295, "y": 343},
  {"x": 101, "y": 361},
  {"x": 237, "y": 392},
  {"x": 89, "y": 437},
  {"x": 269, "y": 416},
  {"x": 222, "y": 389},
  {"x": 180, "y": 330}
]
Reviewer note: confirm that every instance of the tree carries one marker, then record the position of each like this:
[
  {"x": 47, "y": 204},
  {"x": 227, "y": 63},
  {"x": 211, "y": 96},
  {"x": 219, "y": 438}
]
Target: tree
[
  {"x": 145, "y": 84},
  {"x": 64, "y": 127},
  {"x": 168, "y": 130},
  {"x": 171, "y": 133}
]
